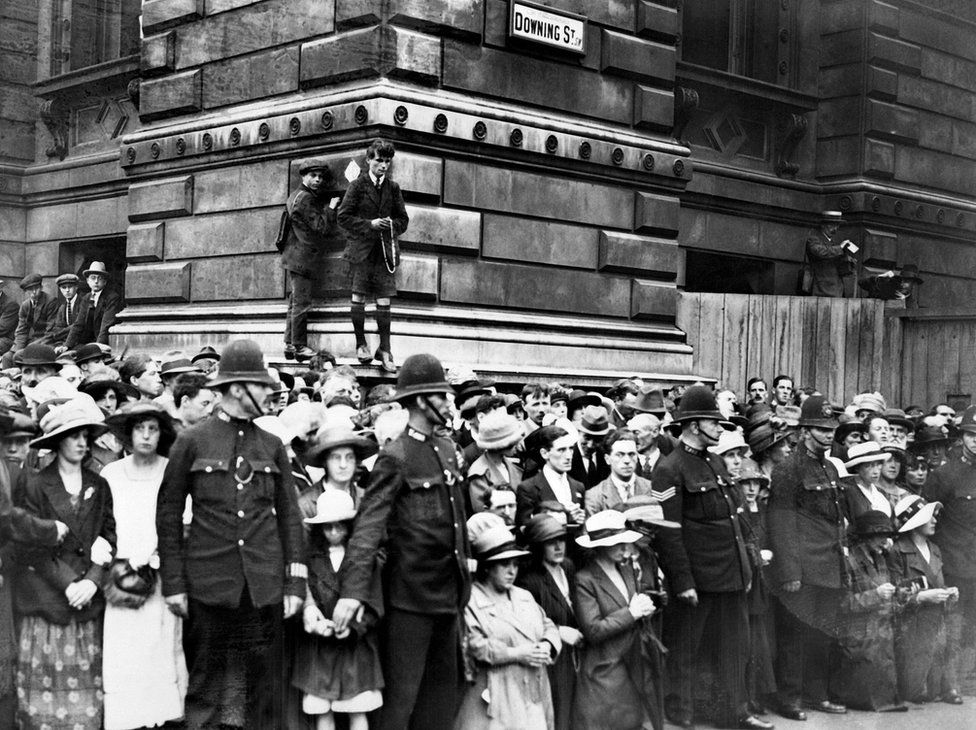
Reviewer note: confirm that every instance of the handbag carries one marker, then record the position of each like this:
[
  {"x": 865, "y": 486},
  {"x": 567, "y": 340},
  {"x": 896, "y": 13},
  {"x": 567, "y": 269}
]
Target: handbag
[{"x": 127, "y": 586}]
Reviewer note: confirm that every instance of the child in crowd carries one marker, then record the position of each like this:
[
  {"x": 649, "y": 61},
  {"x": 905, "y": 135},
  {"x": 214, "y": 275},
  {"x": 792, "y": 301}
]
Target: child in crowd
[{"x": 337, "y": 671}]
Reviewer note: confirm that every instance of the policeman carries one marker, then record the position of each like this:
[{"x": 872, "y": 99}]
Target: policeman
[
  {"x": 414, "y": 502},
  {"x": 954, "y": 484},
  {"x": 708, "y": 564},
  {"x": 807, "y": 532},
  {"x": 241, "y": 570}
]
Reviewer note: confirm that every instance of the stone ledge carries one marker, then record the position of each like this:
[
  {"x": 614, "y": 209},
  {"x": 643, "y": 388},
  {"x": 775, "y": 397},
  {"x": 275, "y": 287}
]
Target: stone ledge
[
  {"x": 627, "y": 253},
  {"x": 156, "y": 283},
  {"x": 166, "y": 198},
  {"x": 158, "y": 15},
  {"x": 171, "y": 96},
  {"x": 144, "y": 243}
]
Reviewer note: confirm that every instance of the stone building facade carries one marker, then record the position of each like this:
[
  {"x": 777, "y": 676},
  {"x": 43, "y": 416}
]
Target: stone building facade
[{"x": 560, "y": 197}]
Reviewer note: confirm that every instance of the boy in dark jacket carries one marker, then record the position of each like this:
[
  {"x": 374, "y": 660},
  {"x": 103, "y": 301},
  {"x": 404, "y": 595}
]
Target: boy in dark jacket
[{"x": 373, "y": 215}]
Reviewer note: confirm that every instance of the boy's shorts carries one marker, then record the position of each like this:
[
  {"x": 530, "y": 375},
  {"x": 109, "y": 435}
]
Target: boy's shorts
[{"x": 371, "y": 278}]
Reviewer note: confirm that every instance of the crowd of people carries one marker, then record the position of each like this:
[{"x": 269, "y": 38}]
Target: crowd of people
[{"x": 202, "y": 541}]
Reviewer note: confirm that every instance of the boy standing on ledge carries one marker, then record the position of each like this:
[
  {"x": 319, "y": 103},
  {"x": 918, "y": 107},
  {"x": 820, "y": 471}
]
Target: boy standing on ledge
[{"x": 373, "y": 215}]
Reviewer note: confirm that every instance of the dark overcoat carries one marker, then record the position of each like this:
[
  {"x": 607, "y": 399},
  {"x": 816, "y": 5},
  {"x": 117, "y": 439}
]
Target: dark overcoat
[
  {"x": 363, "y": 203},
  {"x": 92, "y": 325},
  {"x": 313, "y": 224},
  {"x": 536, "y": 489},
  {"x": 33, "y": 318},
  {"x": 954, "y": 484}
]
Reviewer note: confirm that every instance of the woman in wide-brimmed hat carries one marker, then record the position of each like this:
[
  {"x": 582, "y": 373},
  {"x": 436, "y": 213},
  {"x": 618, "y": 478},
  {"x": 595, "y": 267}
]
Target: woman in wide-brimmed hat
[
  {"x": 58, "y": 597},
  {"x": 499, "y": 436},
  {"x": 511, "y": 642},
  {"x": 864, "y": 464},
  {"x": 551, "y": 579},
  {"x": 144, "y": 679},
  {"x": 614, "y": 691},
  {"x": 769, "y": 446},
  {"x": 925, "y": 656},
  {"x": 339, "y": 450}
]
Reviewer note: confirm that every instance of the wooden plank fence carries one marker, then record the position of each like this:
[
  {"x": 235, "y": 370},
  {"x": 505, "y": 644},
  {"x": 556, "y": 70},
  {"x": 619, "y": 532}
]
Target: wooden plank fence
[{"x": 835, "y": 345}]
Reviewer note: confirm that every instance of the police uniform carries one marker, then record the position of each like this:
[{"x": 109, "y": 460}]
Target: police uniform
[
  {"x": 807, "y": 536},
  {"x": 954, "y": 484},
  {"x": 414, "y": 505},
  {"x": 711, "y": 556},
  {"x": 244, "y": 552}
]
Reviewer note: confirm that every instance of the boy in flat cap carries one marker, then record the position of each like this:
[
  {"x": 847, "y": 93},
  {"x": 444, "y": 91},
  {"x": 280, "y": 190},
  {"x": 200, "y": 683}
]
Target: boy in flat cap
[
  {"x": 313, "y": 223},
  {"x": 35, "y": 311},
  {"x": 373, "y": 215},
  {"x": 66, "y": 314}
]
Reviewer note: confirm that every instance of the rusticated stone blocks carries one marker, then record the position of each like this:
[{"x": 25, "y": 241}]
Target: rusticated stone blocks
[
  {"x": 167, "y": 97},
  {"x": 637, "y": 58},
  {"x": 656, "y": 213},
  {"x": 144, "y": 242},
  {"x": 481, "y": 283},
  {"x": 250, "y": 77},
  {"x": 159, "y": 54},
  {"x": 542, "y": 242},
  {"x": 623, "y": 252},
  {"x": 149, "y": 283},
  {"x": 653, "y": 301},
  {"x": 161, "y": 199},
  {"x": 442, "y": 229},
  {"x": 381, "y": 50},
  {"x": 159, "y": 15},
  {"x": 257, "y": 276}
]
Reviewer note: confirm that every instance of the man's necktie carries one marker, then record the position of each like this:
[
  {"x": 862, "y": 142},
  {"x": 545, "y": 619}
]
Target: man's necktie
[{"x": 67, "y": 313}]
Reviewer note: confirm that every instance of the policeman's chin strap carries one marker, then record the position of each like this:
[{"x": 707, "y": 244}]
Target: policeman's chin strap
[
  {"x": 258, "y": 407},
  {"x": 707, "y": 437},
  {"x": 441, "y": 420}
]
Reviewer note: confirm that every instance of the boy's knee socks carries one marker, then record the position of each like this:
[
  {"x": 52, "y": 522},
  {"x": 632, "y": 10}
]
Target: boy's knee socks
[
  {"x": 383, "y": 325},
  {"x": 358, "y": 312}
]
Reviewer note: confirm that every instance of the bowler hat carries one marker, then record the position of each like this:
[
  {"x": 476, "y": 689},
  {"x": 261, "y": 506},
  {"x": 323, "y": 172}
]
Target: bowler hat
[
  {"x": 872, "y": 522},
  {"x": 121, "y": 423},
  {"x": 498, "y": 430},
  {"x": 926, "y": 435},
  {"x": 332, "y": 437},
  {"x": 421, "y": 374},
  {"x": 66, "y": 279},
  {"x": 467, "y": 395},
  {"x": 36, "y": 354},
  {"x": 29, "y": 281},
  {"x": 333, "y": 505},
  {"x": 89, "y": 351},
  {"x": 816, "y": 412},
  {"x": 542, "y": 528},
  {"x": 847, "y": 426},
  {"x": 71, "y": 415},
  {"x": 242, "y": 362},
  {"x": 206, "y": 353},
  {"x": 97, "y": 267},
  {"x": 105, "y": 379},
  {"x": 968, "y": 420},
  {"x": 910, "y": 272},
  {"x": 898, "y": 416},
  {"x": 595, "y": 421},
  {"x": 650, "y": 400},
  {"x": 313, "y": 163}
]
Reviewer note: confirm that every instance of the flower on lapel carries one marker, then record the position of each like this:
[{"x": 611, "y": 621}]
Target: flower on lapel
[{"x": 88, "y": 493}]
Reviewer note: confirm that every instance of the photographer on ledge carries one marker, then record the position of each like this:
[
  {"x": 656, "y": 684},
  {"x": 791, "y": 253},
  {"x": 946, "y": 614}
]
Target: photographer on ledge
[{"x": 829, "y": 261}]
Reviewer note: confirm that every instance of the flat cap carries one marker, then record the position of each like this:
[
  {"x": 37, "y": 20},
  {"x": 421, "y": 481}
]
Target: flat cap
[
  {"x": 313, "y": 163},
  {"x": 66, "y": 279},
  {"x": 29, "y": 281}
]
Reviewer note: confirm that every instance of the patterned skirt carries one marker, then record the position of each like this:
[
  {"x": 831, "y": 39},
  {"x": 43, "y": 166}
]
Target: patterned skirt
[{"x": 59, "y": 675}]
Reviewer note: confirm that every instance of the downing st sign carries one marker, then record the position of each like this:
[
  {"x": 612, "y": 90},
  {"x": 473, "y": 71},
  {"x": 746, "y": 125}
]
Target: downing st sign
[{"x": 556, "y": 29}]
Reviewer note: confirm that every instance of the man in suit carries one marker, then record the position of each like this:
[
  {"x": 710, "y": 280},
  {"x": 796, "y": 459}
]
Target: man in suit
[
  {"x": 313, "y": 224},
  {"x": 66, "y": 314},
  {"x": 9, "y": 312},
  {"x": 552, "y": 482},
  {"x": 624, "y": 395},
  {"x": 35, "y": 311},
  {"x": 623, "y": 484},
  {"x": 96, "y": 312},
  {"x": 373, "y": 215},
  {"x": 589, "y": 464}
]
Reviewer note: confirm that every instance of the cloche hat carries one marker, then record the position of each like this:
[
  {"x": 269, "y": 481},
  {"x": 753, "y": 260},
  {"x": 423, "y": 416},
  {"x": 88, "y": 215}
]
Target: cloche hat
[
  {"x": 498, "y": 431},
  {"x": 74, "y": 414},
  {"x": 496, "y": 543},
  {"x": 542, "y": 528},
  {"x": 121, "y": 423}
]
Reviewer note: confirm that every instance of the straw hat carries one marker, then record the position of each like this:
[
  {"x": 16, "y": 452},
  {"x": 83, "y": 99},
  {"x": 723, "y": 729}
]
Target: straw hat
[
  {"x": 333, "y": 505},
  {"x": 481, "y": 521},
  {"x": 496, "y": 543},
  {"x": 498, "y": 431},
  {"x": 913, "y": 511},
  {"x": 605, "y": 529},
  {"x": 646, "y": 510},
  {"x": 80, "y": 412},
  {"x": 864, "y": 453},
  {"x": 729, "y": 440},
  {"x": 97, "y": 267}
]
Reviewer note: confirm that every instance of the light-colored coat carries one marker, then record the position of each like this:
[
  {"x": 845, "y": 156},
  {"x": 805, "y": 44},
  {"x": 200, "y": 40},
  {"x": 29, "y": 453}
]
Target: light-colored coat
[
  {"x": 605, "y": 496},
  {"x": 505, "y": 694}
]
